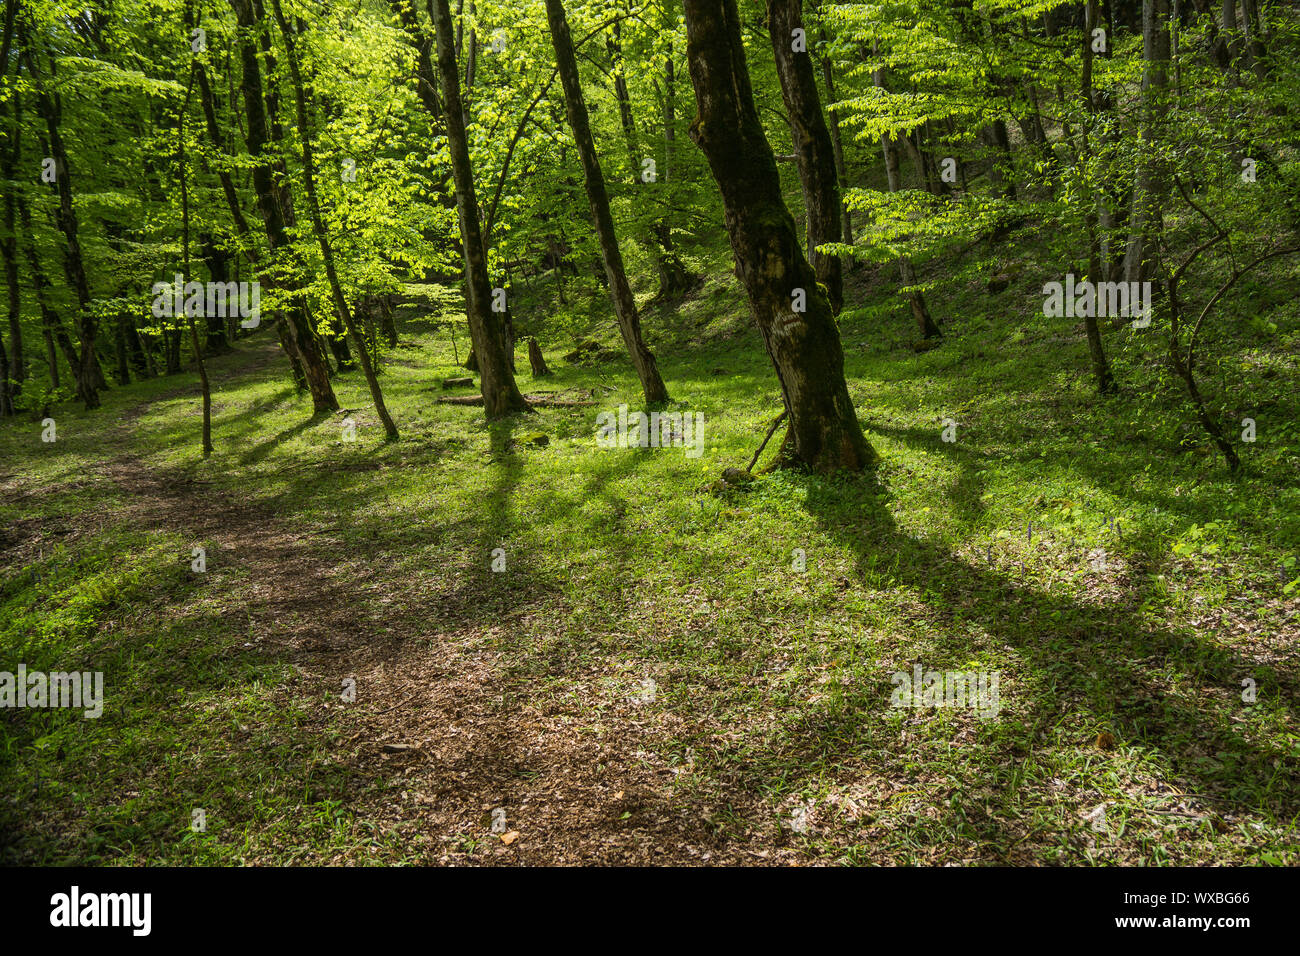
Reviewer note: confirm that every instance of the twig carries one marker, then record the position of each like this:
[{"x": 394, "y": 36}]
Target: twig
[{"x": 771, "y": 430}]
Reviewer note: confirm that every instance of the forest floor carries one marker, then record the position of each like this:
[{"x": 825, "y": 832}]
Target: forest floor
[{"x": 652, "y": 679}]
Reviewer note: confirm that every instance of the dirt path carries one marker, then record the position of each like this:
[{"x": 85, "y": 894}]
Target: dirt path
[{"x": 436, "y": 715}]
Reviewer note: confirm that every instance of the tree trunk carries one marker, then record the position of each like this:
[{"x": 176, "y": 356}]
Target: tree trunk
[
  {"x": 185, "y": 254},
  {"x": 814, "y": 152},
  {"x": 6, "y": 403},
  {"x": 50, "y": 322},
  {"x": 1148, "y": 187},
  {"x": 501, "y": 396},
  {"x": 219, "y": 271},
  {"x": 629, "y": 320},
  {"x": 122, "y": 352},
  {"x": 1097, "y": 266},
  {"x": 318, "y": 223},
  {"x": 1101, "y": 372},
  {"x": 12, "y": 369},
  {"x": 674, "y": 279},
  {"x": 51, "y": 359},
  {"x": 1001, "y": 167},
  {"x": 87, "y": 371},
  {"x": 907, "y": 272},
  {"x": 11, "y": 366},
  {"x": 846, "y": 218},
  {"x": 471, "y": 56},
  {"x": 296, "y": 323},
  {"x": 10, "y": 377},
  {"x": 823, "y": 433},
  {"x": 1255, "y": 45},
  {"x": 387, "y": 321},
  {"x": 536, "y": 359}
]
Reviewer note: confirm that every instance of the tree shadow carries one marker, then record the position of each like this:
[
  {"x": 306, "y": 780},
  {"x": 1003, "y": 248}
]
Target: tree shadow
[
  {"x": 1100, "y": 656},
  {"x": 263, "y": 449}
]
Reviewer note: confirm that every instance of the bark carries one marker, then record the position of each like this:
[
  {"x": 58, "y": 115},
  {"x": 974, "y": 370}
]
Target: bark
[
  {"x": 318, "y": 223},
  {"x": 223, "y": 174},
  {"x": 1256, "y": 48},
  {"x": 1148, "y": 185},
  {"x": 218, "y": 261},
  {"x": 295, "y": 325},
  {"x": 1097, "y": 268},
  {"x": 11, "y": 363},
  {"x": 242, "y": 229},
  {"x": 51, "y": 359},
  {"x": 674, "y": 278},
  {"x": 12, "y": 367},
  {"x": 89, "y": 376},
  {"x": 813, "y": 149},
  {"x": 823, "y": 433},
  {"x": 501, "y": 396},
  {"x": 471, "y": 56},
  {"x": 629, "y": 320},
  {"x": 204, "y": 385},
  {"x": 1000, "y": 170},
  {"x": 907, "y": 272},
  {"x": 536, "y": 359},
  {"x": 1101, "y": 372},
  {"x": 338, "y": 344},
  {"x": 6, "y": 403},
  {"x": 1230, "y": 35},
  {"x": 421, "y": 43},
  {"x": 51, "y": 325},
  {"x": 120, "y": 349},
  {"x": 837, "y": 146}
]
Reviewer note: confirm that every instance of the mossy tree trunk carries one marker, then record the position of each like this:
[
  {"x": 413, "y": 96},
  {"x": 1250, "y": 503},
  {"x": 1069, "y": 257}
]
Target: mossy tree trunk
[{"x": 823, "y": 433}]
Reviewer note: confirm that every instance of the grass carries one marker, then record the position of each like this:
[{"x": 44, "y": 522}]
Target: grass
[{"x": 1122, "y": 624}]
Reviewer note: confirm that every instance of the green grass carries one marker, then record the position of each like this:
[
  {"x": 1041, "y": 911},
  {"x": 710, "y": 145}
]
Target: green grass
[{"x": 772, "y": 685}]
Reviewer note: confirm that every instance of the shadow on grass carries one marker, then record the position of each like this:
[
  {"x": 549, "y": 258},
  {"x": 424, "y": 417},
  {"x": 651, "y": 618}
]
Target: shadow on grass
[{"x": 1099, "y": 657}]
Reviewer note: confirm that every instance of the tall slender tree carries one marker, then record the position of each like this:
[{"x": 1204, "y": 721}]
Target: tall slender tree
[
  {"x": 1150, "y": 181},
  {"x": 629, "y": 318},
  {"x": 501, "y": 396},
  {"x": 813, "y": 149},
  {"x": 301, "y": 100},
  {"x": 183, "y": 172},
  {"x": 907, "y": 270},
  {"x": 271, "y": 201},
  {"x": 89, "y": 378}
]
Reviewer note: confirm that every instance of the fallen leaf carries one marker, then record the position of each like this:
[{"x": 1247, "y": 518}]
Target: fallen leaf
[{"x": 509, "y": 838}]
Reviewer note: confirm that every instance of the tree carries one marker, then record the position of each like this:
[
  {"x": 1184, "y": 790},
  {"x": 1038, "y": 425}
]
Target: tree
[
  {"x": 1149, "y": 187},
  {"x": 813, "y": 149},
  {"x": 318, "y": 224},
  {"x": 823, "y": 433},
  {"x": 501, "y": 396},
  {"x": 88, "y": 376},
  {"x": 271, "y": 203},
  {"x": 629, "y": 319},
  {"x": 183, "y": 172}
]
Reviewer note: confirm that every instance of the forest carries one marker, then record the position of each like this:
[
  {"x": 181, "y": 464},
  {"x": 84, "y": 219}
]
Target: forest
[{"x": 650, "y": 432}]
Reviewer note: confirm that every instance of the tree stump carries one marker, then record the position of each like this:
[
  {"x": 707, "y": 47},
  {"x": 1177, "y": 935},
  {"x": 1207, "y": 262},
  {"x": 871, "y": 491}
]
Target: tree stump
[{"x": 536, "y": 359}]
